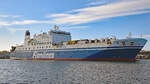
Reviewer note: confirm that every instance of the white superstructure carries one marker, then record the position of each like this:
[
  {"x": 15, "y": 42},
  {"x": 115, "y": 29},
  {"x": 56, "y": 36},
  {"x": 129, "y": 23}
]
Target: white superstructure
[
  {"x": 57, "y": 39},
  {"x": 44, "y": 40}
]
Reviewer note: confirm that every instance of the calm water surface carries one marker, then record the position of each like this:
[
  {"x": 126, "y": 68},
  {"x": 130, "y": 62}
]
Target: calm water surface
[{"x": 74, "y": 72}]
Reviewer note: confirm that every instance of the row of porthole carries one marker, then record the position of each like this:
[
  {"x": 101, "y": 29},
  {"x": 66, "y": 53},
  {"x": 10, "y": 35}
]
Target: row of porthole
[
  {"x": 124, "y": 43},
  {"x": 36, "y": 48},
  {"x": 39, "y": 43}
]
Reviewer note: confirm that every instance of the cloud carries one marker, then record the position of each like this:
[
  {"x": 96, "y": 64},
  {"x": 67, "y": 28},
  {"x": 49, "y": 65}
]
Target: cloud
[
  {"x": 99, "y": 2},
  {"x": 3, "y": 23},
  {"x": 103, "y": 2},
  {"x": 24, "y": 22},
  {"x": 58, "y": 15},
  {"x": 145, "y": 36},
  {"x": 13, "y": 30},
  {"x": 142, "y": 36},
  {"x": 9, "y": 16},
  {"x": 73, "y": 27},
  {"x": 90, "y": 14}
]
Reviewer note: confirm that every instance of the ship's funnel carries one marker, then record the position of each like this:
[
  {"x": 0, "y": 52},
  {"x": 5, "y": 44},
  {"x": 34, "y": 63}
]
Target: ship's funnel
[{"x": 27, "y": 33}]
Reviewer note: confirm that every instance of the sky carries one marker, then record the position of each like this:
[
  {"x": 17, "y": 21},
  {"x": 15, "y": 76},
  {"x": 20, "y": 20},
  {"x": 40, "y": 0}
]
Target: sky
[{"x": 85, "y": 19}]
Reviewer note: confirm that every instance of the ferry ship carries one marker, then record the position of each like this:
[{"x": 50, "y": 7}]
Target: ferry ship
[{"x": 57, "y": 45}]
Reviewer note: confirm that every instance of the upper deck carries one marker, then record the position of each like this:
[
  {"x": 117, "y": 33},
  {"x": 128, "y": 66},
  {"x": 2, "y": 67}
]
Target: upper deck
[{"x": 57, "y": 39}]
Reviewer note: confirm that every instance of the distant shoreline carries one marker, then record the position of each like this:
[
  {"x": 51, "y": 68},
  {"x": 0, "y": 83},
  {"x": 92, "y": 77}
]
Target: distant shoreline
[
  {"x": 143, "y": 55},
  {"x": 4, "y": 55}
]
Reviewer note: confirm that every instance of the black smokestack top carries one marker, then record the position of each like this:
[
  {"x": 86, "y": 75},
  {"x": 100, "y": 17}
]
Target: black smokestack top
[{"x": 27, "y": 33}]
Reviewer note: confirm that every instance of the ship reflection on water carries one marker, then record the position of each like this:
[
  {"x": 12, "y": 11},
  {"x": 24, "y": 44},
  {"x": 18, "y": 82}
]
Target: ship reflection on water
[{"x": 74, "y": 72}]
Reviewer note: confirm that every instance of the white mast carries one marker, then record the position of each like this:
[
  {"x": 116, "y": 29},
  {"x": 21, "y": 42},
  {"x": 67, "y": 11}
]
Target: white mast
[
  {"x": 129, "y": 35},
  {"x": 56, "y": 28}
]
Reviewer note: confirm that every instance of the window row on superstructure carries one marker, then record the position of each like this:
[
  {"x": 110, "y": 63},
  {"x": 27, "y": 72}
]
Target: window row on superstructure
[
  {"x": 33, "y": 48},
  {"x": 38, "y": 43}
]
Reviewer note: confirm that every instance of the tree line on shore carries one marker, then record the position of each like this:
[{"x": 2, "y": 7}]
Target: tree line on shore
[
  {"x": 144, "y": 52},
  {"x": 4, "y": 54}
]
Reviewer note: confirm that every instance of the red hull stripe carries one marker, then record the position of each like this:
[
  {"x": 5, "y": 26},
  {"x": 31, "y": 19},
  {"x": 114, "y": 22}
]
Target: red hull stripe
[{"x": 106, "y": 59}]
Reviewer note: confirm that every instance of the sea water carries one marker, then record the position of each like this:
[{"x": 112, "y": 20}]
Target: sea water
[{"x": 74, "y": 72}]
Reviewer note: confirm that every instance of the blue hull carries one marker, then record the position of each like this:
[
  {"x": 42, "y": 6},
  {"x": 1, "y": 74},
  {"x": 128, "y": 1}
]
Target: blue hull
[{"x": 95, "y": 54}]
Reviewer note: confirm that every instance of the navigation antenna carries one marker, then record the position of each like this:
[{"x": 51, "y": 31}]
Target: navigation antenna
[
  {"x": 129, "y": 35},
  {"x": 141, "y": 36},
  {"x": 56, "y": 28},
  {"x": 41, "y": 30}
]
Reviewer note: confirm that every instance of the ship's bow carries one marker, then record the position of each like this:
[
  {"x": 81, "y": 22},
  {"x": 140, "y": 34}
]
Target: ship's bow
[
  {"x": 127, "y": 49},
  {"x": 120, "y": 50}
]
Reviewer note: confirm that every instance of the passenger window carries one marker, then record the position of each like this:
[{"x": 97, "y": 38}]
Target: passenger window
[
  {"x": 131, "y": 43},
  {"x": 123, "y": 43},
  {"x": 117, "y": 42}
]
